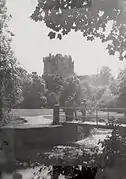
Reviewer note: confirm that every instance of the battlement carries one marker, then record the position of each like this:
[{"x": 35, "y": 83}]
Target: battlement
[{"x": 58, "y": 64}]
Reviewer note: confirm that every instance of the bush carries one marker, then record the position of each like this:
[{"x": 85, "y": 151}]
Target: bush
[{"x": 114, "y": 148}]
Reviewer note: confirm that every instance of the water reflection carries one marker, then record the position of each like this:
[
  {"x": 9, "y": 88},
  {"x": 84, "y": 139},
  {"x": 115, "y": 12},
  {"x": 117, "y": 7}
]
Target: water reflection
[
  {"x": 55, "y": 172},
  {"x": 66, "y": 155},
  {"x": 79, "y": 147}
]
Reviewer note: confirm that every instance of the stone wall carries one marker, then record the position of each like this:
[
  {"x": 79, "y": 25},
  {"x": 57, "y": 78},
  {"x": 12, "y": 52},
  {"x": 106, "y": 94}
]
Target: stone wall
[
  {"x": 28, "y": 141},
  {"x": 58, "y": 64}
]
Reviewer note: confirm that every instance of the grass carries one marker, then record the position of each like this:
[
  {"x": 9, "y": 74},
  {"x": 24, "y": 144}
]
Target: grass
[
  {"x": 31, "y": 112},
  {"x": 38, "y": 112},
  {"x": 48, "y": 114}
]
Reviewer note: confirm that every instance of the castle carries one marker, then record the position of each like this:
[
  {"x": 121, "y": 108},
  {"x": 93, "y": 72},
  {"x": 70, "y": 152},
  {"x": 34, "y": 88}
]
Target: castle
[{"x": 58, "y": 64}]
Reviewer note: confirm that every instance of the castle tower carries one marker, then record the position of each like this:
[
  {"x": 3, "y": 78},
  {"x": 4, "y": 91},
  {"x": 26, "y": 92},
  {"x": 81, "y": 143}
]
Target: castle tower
[{"x": 58, "y": 64}]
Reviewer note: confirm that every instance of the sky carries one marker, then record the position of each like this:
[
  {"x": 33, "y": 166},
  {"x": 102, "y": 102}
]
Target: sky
[{"x": 31, "y": 44}]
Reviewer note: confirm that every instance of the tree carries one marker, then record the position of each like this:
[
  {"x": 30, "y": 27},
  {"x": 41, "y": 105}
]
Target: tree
[
  {"x": 13, "y": 91},
  {"x": 105, "y": 75},
  {"x": 121, "y": 78},
  {"x": 9, "y": 77},
  {"x": 60, "y": 89},
  {"x": 71, "y": 88},
  {"x": 87, "y": 89},
  {"x": 107, "y": 98},
  {"x": 33, "y": 91},
  {"x": 54, "y": 83},
  {"x": 91, "y": 17},
  {"x": 95, "y": 80},
  {"x": 113, "y": 86}
]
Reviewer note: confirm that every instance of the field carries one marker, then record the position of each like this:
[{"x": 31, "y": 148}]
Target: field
[
  {"x": 31, "y": 112},
  {"x": 43, "y": 115}
]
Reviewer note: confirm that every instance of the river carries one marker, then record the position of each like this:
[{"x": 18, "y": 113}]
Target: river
[{"x": 76, "y": 149}]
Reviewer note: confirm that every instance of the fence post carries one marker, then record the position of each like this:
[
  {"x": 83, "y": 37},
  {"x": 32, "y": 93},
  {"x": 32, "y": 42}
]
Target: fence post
[
  {"x": 56, "y": 115},
  {"x": 124, "y": 112},
  {"x": 96, "y": 116},
  {"x": 108, "y": 116}
]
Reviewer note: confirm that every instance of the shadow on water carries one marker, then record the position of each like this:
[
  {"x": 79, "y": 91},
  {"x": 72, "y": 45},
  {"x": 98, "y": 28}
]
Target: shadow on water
[{"x": 54, "y": 172}]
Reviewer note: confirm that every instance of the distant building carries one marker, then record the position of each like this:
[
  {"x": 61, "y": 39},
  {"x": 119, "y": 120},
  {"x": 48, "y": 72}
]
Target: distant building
[{"x": 58, "y": 64}]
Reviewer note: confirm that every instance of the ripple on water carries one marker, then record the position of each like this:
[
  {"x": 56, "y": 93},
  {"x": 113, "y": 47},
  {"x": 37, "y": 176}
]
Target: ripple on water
[
  {"x": 79, "y": 147},
  {"x": 72, "y": 151}
]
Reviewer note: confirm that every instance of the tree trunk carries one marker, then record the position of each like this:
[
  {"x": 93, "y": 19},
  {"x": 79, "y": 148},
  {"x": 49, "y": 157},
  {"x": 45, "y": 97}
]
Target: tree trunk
[
  {"x": 1, "y": 112},
  {"x": 1, "y": 101},
  {"x": 125, "y": 113},
  {"x": 56, "y": 115}
]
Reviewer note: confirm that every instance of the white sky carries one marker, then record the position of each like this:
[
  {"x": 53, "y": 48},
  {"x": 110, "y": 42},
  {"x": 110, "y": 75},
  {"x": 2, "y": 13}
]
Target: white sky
[{"x": 31, "y": 43}]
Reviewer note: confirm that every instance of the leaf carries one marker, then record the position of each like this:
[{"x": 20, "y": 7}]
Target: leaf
[
  {"x": 85, "y": 16},
  {"x": 59, "y": 36},
  {"x": 52, "y": 35}
]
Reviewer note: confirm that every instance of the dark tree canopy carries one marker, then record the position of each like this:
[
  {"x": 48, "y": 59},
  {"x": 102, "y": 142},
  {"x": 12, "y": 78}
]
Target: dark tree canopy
[
  {"x": 88, "y": 16},
  {"x": 33, "y": 88}
]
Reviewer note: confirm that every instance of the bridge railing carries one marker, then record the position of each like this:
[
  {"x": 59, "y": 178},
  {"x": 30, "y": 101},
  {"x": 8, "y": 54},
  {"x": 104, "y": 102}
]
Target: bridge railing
[
  {"x": 118, "y": 110},
  {"x": 67, "y": 111},
  {"x": 71, "y": 113}
]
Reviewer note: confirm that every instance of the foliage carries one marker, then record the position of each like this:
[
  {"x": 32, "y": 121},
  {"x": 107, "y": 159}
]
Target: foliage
[
  {"x": 60, "y": 88},
  {"x": 100, "y": 92},
  {"x": 113, "y": 86},
  {"x": 121, "y": 85},
  {"x": 102, "y": 78},
  {"x": 87, "y": 89},
  {"x": 33, "y": 91},
  {"x": 101, "y": 89},
  {"x": 66, "y": 171},
  {"x": 54, "y": 83},
  {"x": 54, "y": 86},
  {"x": 90, "y": 87},
  {"x": 95, "y": 90},
  {"x": 104, "y": 90},
  {"x": 91, "y": 17},
  {"x": 68, "y": 163},
  {"x": 105, "y": 75},
  {"x": 106, "y": 98},
  {"x": 43, "y": 100},
  {"x": 114, "y": 148},
  {"x": 71, "y": 89},
  {"x": 10, "y": 92}
]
